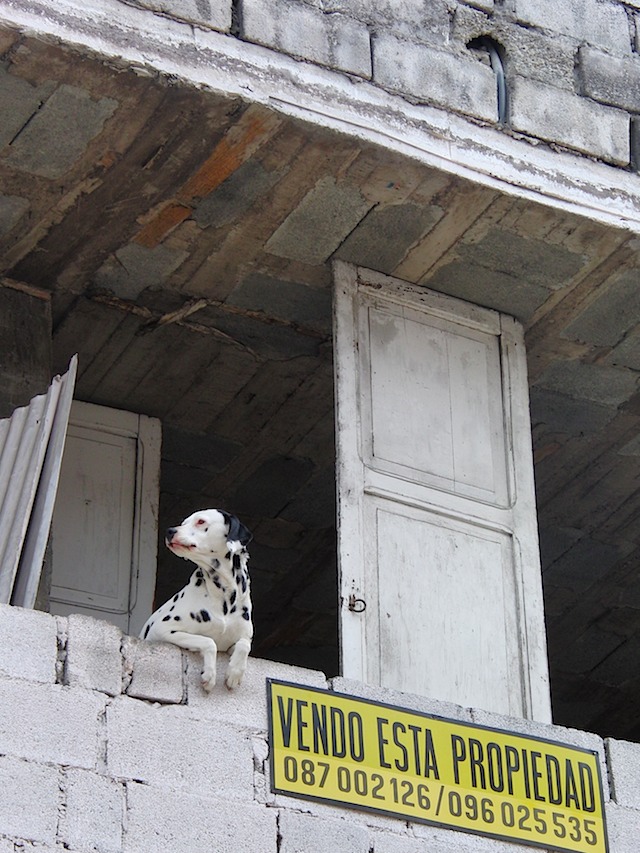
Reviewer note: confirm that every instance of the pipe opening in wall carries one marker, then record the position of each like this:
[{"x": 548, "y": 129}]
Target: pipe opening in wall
[{"x": 489, "y": 50}]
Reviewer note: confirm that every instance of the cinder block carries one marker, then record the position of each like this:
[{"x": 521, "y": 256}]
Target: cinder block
[
  {"x": 601, "y": 24},
  {"x": 93, "y": 658},
  {"x": 624, "y": 772},
  {"x": 19, "y": 100},
  {"x": 29, "y": 801},
  {"x": 235, "y": 195},
  {"x": 449, "y": 80},
  {"x": 411, "y": 701},
  {"x": 50, "y": 723},
  {"x": 610, "y": 79},
  {"x": 414, "y": 20},
  {"x": 301, "y": 833},
  {"x": 28, "y": 644},
  {"x": 562, "y": 413},
  {"x": 184, "y": 824},
  {"x": 318, "y": 225},
  {"x": 155, "y": 670},
  {"x": 558, "y": 116},
  {"x": 609, "y": 386},
  {"x": 489, "y": 287},
  {"x": 248, "y": 703},
  {"x": 386, "y": 234},
  {"x": 213, "y": 14},
  {"x": 623, "y": 829},
  {"x": 134, "y": 268},
  {"x": 306, "y": 32},
  {"x": 288, "y": 300},
  {"x": 606, "y": 320},
  {"x": 167, "y": 746},
  {"x": 68, "y": 121},
  {"x": 94, "y": 812}
]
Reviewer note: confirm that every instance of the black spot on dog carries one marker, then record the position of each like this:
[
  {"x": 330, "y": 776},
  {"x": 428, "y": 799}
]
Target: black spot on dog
[
  {"x": 205, "y": 616},
  {"x": 232, "y": 597},
  {"x": 172, "y": 608},
  {"x": 215, "y": 564},
  {"x": 176, "y": 618},
  {"x": 175, "y": 597},
  {"x": 233, "y": 609},
  {"x": 199, "y": 582},
  {"x": 227, "y": 555},
  {"x": 224, "y": 607},
  {"x": 236, "y": 561},
  {"x": 166, "y": 618},
  {"x": 173, "y": 632},
  {"x": 244, "y": 583},
  {"x": 245, "y": 614},
  {"x": 146, "y": 631},
  {"x": 199, "y": 574}
]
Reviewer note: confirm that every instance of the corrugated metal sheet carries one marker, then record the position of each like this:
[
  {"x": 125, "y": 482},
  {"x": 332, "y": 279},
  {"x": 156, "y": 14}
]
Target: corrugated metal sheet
[{"x": 31, "y": 445}]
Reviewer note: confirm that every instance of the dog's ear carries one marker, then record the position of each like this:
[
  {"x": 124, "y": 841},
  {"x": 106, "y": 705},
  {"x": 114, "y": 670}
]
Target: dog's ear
[{"x": 237, "y": 531}]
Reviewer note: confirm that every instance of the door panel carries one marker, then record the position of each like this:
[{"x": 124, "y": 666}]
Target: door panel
[
  {"x": 437, "y": 575},
  {"x": 435, "y": 385},
  {"x": 437, "y": 526},
  {"x": 95, "y": 505}
]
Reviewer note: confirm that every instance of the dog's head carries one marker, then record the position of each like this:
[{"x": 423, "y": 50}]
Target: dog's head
[{"x": 206, "y": 534}]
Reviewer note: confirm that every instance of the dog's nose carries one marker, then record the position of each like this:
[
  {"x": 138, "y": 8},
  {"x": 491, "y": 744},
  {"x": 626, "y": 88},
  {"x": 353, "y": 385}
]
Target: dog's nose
[{"x": 171, "y": 532}]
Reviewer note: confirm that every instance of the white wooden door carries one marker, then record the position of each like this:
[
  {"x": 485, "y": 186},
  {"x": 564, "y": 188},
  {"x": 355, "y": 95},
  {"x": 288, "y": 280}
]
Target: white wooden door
[
  {"x": 440, "y": 581},
  {"x": 104, "y": 534}
]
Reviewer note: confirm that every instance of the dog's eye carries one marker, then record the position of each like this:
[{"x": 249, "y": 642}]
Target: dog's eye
[{"x": 200, "y": 521}]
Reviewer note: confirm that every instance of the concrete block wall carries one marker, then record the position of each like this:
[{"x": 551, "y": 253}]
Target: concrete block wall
[
  {"x": 572, "y": 66},
  {"x": 109, "y": 745}
]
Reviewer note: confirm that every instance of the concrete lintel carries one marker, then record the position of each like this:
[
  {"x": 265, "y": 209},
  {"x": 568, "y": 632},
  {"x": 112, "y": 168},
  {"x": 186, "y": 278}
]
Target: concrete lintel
[{"x": 435, "y": 137}]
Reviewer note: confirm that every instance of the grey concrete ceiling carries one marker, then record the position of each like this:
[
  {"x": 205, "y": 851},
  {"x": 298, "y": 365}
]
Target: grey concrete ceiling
[{"x": 186, "y": 240}]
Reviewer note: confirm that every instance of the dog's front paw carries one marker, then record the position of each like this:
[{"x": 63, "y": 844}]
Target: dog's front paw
[
  {"x": 233, "y": 678},
  {"x": 208, "y": 679}
]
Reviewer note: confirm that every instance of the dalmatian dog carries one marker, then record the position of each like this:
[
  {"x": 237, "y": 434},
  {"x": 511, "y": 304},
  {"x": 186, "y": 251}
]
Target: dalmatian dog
[{"x": 213, "y": 611}]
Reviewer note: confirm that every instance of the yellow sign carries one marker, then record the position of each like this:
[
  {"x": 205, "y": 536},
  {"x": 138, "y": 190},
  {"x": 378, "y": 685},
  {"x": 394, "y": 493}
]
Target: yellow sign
[{"x": 353, "y": 752}]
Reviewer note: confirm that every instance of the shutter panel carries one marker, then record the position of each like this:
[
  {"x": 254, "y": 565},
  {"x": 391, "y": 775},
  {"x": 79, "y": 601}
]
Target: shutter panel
[{"x": 31, "y": 446}]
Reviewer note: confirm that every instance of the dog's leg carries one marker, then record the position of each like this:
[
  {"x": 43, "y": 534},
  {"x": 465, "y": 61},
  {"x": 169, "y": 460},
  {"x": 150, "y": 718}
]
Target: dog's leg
[
  {"x": 237, "y": 663},
  {"x": 207, "y": 648}
]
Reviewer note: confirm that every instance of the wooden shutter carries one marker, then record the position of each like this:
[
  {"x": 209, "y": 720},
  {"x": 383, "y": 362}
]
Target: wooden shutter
[{"x": 31, "y": 446}]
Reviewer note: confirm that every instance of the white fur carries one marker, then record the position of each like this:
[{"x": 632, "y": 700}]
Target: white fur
[{"x": 213, "y": 611}]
